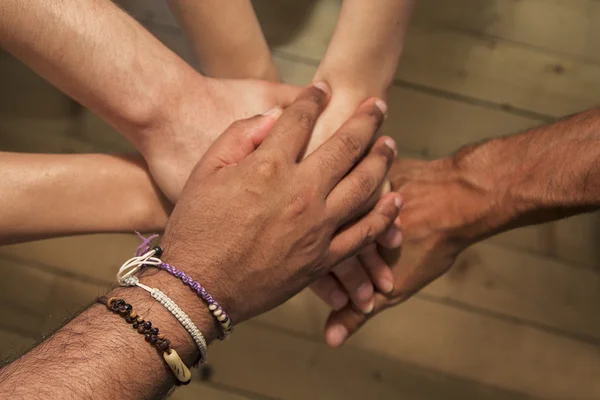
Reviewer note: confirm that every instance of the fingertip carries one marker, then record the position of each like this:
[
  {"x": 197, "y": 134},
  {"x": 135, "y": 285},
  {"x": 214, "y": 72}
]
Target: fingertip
[
  {"x": 386, "y": 285},
  {"x": 323, "y": 86},
  {"x": 391, "y": 238},
  {"x": 368, "y": 309},
  {"x": 335, "y": 335},
  {"x": 381, "y": 104},
  {"x": 391, "y": 143},
  {"x": 273, "y": 113}
]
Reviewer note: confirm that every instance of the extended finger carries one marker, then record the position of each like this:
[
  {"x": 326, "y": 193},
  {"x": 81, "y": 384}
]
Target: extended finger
[
  {"x": 328, "y": 289},
  {"x": 378, "y": 270},
  {"x": 357, "y": 283},
  {"x": 364, "y": 231},
  {"x": 392, "y": 238},
  {"x": 291, "y": 133},
  {"x": 347, "y": 200},
  {"x": 237, "y": 142},
  {"x": 341, "y": 324},
  {"x": 338, "y": 155}
]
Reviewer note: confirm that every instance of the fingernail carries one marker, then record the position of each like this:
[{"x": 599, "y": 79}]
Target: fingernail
[
  {"x": 398, "y": 202},
  {"x": 323, "y": 86},
  {"x": 273, "y": 112},
  {"x": 393, "y": 237},
  {"x": 382, "y": 107},
  {"x": 338, "y": 299},
  {"x": 369, "y": 308},
  {"x": 391, "y": 143},
  {"x": 365, "y": 291},
  {"x": 336, "y": 335},
  {"x": 387, "y": 285},
  {"x": 398, "y": 223}
]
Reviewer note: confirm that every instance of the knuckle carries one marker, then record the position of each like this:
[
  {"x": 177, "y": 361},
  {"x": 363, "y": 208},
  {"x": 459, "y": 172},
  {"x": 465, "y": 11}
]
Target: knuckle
[
  {"x": 364, "y": 185},
  {"x": 267, "y": 168},
  {"x": 305, "y": 119},
  {"x": 351, "y": 144},
  {"x": 389, "y": 212},
  {"x": 368, "y": 235},
  {"x": 299, "y": 204},
  {"x": 328, "y": 161},
  {"x": 315, "y": 96}
]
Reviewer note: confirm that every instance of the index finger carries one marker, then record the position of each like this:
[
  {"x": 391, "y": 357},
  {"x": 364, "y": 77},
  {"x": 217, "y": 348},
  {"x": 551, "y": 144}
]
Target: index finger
[
  {"x": 338, "y": 155},
  {"x": 291, "y": 133}
]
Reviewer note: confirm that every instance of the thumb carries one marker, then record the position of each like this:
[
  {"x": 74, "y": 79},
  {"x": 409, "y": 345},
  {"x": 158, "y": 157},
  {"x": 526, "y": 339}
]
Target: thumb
[{"x": 238, "y": 141}]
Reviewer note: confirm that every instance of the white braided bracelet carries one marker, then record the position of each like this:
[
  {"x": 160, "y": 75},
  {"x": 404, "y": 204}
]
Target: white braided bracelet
[{"x": 174, "y": 309}]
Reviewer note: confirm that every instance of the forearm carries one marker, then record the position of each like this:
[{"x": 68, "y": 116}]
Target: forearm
[
  {"x": 226, "y": 37},
  {"x": 365, "y": 48},
  {"x": 538, "y": 176},
  {"x": 361, "y": 59},
  {"x": 99, "y": 355},
  {"x": 101, "y": 57},
  {"x": 44, "y": 195}
]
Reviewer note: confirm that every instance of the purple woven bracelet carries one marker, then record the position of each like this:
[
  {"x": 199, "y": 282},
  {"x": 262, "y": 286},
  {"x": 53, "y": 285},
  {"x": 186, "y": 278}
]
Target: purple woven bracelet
[{"x": 213, "y": 306}]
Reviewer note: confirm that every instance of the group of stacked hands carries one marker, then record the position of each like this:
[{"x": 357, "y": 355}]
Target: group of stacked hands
[{"x": 255, "y": 205}]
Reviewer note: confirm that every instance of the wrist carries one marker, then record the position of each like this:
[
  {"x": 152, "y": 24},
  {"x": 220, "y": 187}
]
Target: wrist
[
  {"x": 488, "y": 173},
  {"x": 156, "y": 128},
  {"x": 183, "y": 297}
]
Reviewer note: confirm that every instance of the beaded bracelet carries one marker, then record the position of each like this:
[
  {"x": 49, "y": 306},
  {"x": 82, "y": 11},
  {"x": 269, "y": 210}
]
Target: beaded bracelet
[
  {"x": 213, "y": 306},
  {"x": 144, "y": 256},
  {"x": 177, "y": 312},
  {"x": 151, "y": 334}
]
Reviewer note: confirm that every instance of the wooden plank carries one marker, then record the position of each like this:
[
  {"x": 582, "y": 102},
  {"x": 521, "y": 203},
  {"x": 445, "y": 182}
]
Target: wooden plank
[
  {"x": 461, "y": 343},
  {"x": 23, "y": 294},
  {"x": 25, "y": 94},
  {"x": 449, "y": 60},
  {"x": 290, "y": 367},
  {"x": 103, "y": 255},
  {"x": 67, "y": 297},
  {"x": 13, "y": 344},
  {"x": 42, "y": 136},
  {"x": 569, "y": 27},
  {"x": 195, "y": 391}
]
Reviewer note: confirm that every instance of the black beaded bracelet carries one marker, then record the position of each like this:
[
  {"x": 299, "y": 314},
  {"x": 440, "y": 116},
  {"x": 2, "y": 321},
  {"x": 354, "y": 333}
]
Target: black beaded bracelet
[{"x": 151, "y": 335}]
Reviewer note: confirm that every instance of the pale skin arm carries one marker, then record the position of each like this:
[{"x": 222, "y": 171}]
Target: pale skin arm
[
  {"x": 103, "y": 58},
  {"x": 360, "y": 62},
  {"x": 67, "y": 194},
  {"x": 361, "y": 59},
  {"x": 226, "y": 37},
  {"x": 100, "y": 56}
]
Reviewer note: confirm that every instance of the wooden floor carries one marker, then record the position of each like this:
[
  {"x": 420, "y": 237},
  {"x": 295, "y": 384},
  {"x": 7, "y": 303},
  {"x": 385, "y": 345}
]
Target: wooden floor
[{"x": 517, "y": 318}]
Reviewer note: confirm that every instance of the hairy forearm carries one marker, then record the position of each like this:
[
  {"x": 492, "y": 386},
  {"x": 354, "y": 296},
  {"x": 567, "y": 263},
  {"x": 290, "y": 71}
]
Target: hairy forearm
[
  {"x": 226, "y": 37},
  {"x": 44, "y": 195},
  {"x": 98, "y": 355},
  {"x": 538, "y": 176},
  {"x": 101, "y": 57}
]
